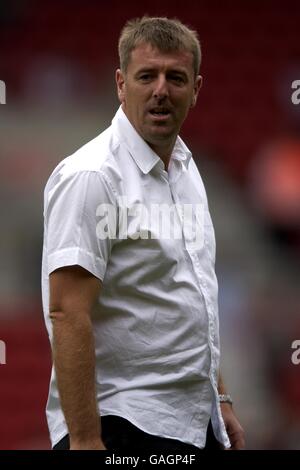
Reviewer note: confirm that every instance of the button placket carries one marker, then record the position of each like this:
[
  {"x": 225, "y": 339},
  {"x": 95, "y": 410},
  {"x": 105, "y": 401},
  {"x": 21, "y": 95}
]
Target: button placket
[{"x": 203, "y": 289}]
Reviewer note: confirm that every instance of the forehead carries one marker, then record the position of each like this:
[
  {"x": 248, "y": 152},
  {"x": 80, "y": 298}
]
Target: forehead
[{"x": 146, "y": 56}]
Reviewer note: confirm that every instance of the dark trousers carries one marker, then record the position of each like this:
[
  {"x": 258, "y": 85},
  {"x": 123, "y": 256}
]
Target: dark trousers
[{"x": 118, "y": 434}]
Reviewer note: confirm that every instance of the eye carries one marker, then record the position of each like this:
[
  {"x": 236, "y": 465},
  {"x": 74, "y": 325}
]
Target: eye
[
  {"x": 145, "y": 77},
  {"x": 178, "y": 79}
]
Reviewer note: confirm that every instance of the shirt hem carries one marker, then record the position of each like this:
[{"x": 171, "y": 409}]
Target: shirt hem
[{"x": 135, "y": 423}]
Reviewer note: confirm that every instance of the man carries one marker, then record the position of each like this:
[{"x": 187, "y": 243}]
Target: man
[{"x": 131, "y": 311}]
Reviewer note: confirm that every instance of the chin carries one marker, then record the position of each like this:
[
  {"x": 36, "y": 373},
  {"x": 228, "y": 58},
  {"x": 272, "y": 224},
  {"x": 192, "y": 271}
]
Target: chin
[
  {"x": 160, "y": 131},
  {"x": 158, "y": 137}
]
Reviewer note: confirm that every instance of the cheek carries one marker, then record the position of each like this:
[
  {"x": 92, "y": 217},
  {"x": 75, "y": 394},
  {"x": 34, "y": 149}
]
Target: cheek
[
  {"x": 182, "y": 100},
  {"x": 184, "y": 107}
]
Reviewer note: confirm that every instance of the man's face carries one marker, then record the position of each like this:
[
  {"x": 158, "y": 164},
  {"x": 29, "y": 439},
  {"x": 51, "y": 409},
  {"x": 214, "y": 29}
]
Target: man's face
[{"x": 156, "y": 93}]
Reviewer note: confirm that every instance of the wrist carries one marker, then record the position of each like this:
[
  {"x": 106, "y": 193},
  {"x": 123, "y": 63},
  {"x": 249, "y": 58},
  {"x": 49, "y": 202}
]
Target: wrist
[
  {"x": 225, "y": 398},
  {"x": 89, "y": 444}
]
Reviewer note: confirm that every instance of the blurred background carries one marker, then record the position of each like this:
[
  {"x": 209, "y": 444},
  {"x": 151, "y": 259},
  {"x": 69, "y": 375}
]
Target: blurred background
[{"x": 58, "y": 60}]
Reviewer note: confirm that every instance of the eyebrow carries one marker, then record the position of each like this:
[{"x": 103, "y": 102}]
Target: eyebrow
[
  {"x": 146, "y": 70},
  {"x": 153, "y": 69}
]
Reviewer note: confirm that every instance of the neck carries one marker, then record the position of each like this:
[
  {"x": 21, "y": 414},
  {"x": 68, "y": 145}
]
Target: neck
[{"x": 164, "y": 152}]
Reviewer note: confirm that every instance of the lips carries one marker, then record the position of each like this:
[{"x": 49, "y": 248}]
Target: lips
[
  {"x": 160, "y": 114},
  {"x": 159, "y": 111}
]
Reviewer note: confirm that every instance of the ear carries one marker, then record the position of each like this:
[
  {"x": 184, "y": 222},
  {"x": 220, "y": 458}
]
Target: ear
[
  {"x": 197, "y": 86},
  {"x": 120, "y": 85}
]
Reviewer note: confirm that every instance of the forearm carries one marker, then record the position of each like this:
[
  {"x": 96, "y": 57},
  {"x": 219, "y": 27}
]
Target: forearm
[
  {"x": 221, "y": 386},
  {"x": 74, "y": 361}
]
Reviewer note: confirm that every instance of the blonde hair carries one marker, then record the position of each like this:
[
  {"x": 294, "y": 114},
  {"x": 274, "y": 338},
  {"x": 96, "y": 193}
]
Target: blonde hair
[{"x": 165, "y": 34}]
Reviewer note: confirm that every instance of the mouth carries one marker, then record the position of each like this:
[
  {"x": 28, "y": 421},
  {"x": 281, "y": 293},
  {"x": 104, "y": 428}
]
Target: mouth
[{"x": 160, "y": 113}]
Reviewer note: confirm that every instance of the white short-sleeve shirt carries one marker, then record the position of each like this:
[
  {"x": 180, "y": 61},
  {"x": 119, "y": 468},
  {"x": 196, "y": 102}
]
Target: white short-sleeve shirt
[{"x": 109, "y": 208}]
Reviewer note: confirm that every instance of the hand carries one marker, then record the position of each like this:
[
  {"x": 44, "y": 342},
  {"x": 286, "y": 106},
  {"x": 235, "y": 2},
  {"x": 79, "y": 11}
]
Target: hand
[
  {"x": 96, "y": 444},
  {"x": 234, "y": 429}
]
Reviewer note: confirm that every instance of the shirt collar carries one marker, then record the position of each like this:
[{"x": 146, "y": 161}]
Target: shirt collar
[
  {"x": 181, "y": 152},
  {"x": 142, "y": 154}
]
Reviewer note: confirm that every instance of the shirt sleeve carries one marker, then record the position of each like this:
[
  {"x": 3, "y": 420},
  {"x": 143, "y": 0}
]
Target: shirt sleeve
[{"x": 71, "y": 216}]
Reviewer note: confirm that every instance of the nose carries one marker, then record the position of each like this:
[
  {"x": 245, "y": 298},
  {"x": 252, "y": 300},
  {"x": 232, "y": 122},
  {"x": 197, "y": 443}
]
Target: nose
[{"x": 160, "y": 90}]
